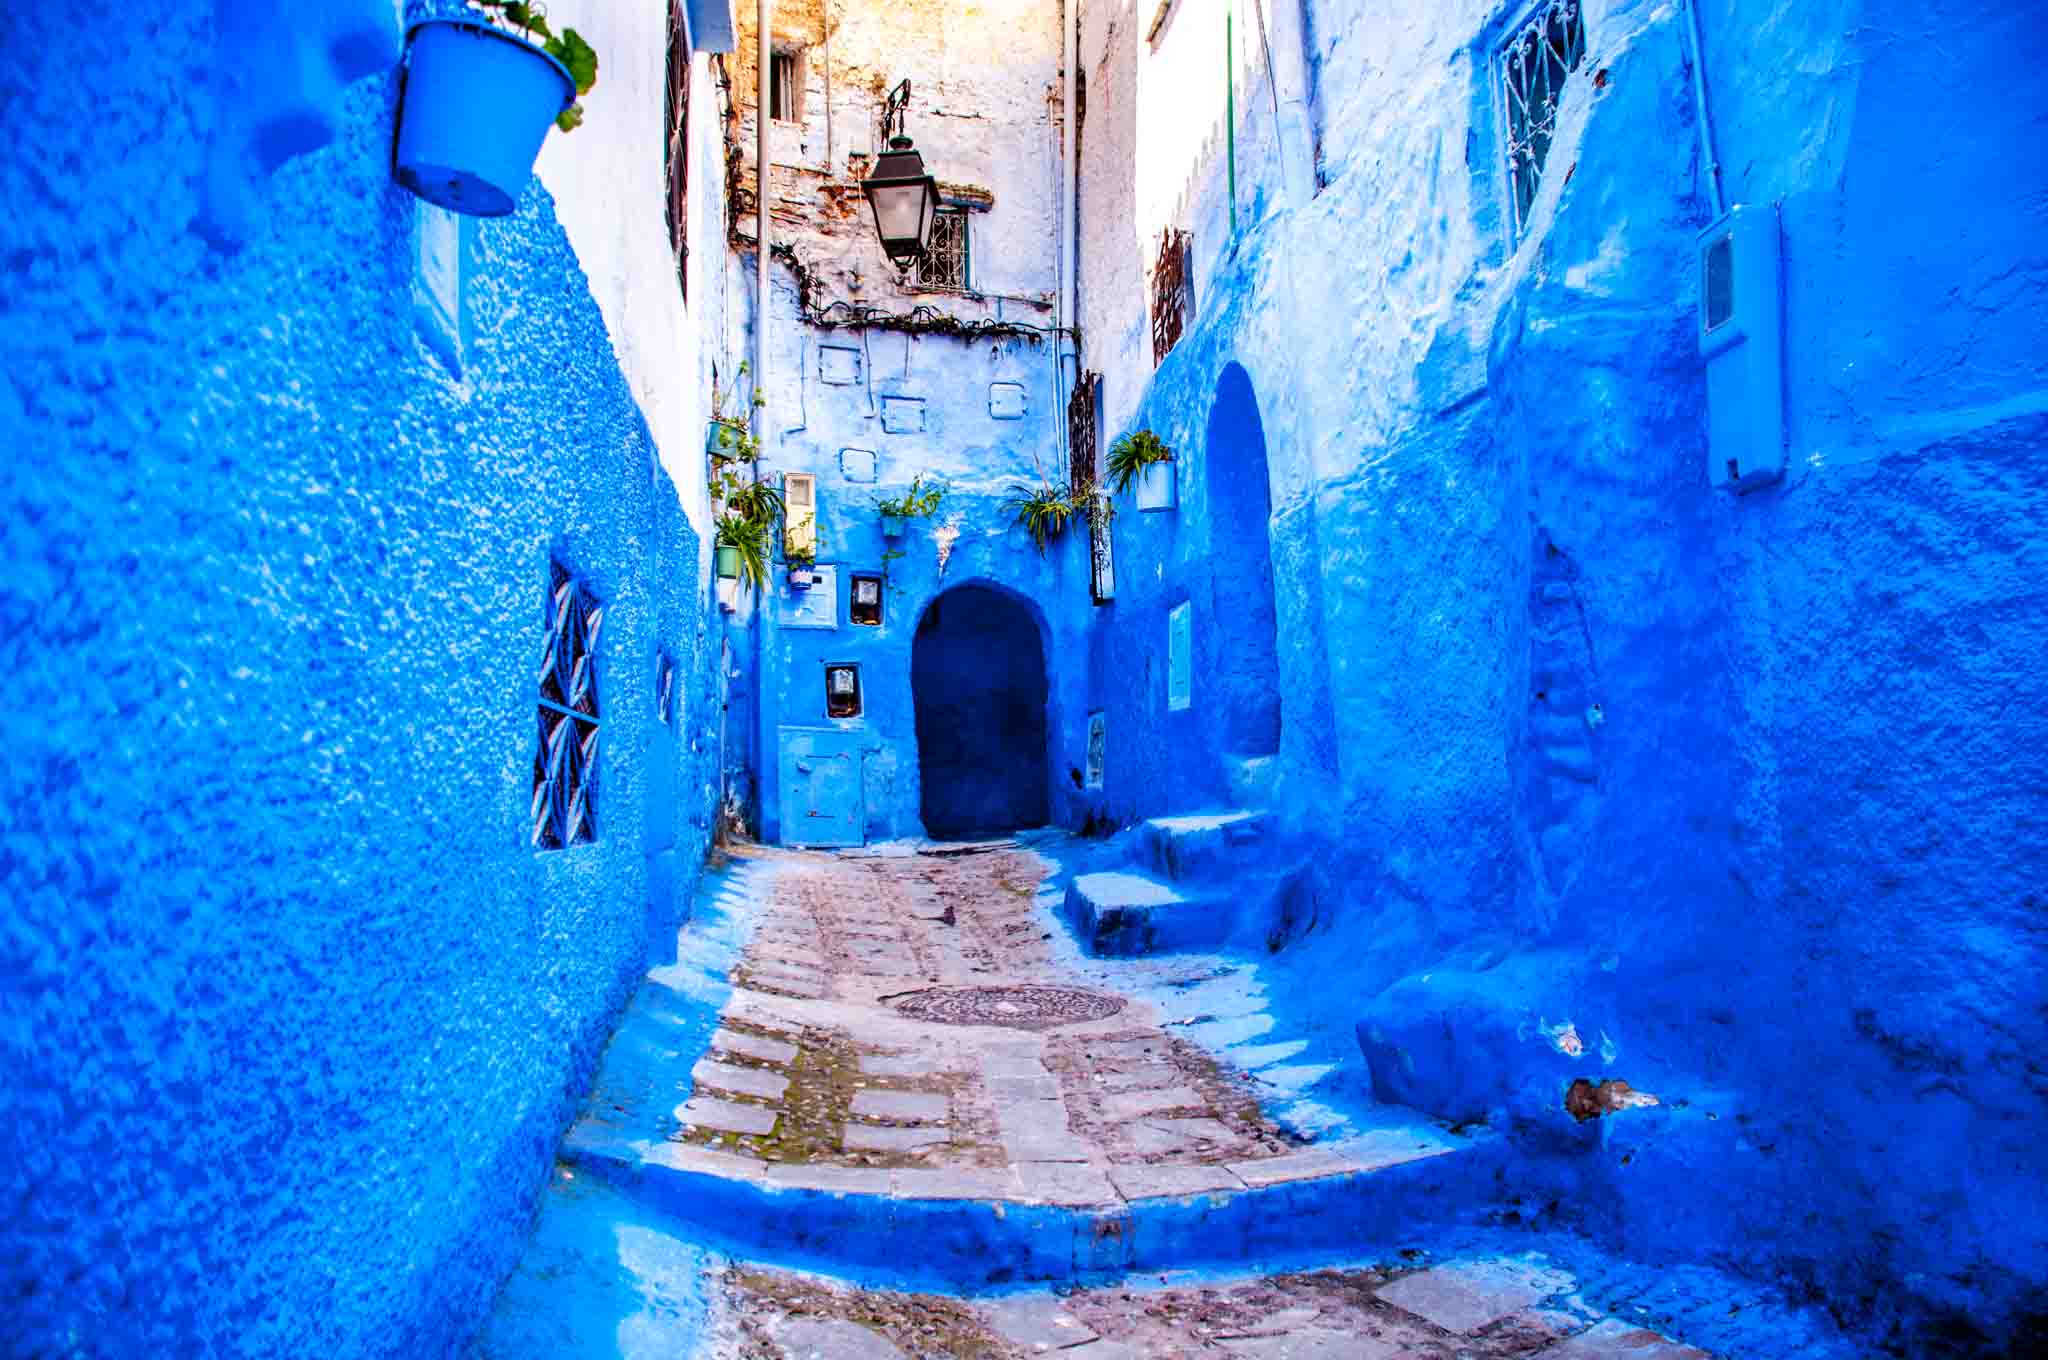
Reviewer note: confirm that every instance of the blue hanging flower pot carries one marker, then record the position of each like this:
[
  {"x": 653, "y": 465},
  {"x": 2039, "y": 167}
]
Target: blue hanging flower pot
[{"x": 478, "y": 103}]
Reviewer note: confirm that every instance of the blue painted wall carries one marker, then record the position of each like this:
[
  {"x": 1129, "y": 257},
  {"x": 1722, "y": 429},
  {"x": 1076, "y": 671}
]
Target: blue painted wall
[
  {"x": 988, "y": 422},
  {"x": 290, "y": 1011},
  {"x": 1605, "y": 773}
]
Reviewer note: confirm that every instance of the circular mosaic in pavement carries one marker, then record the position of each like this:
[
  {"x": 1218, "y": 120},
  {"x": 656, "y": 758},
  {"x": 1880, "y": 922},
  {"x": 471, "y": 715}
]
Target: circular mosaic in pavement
[{"x": 1011, "y": 1007}]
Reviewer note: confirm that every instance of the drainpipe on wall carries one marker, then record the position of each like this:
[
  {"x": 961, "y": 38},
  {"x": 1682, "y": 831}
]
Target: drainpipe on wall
[
  {"x": 1699, "y": 91},
  {"x": 1063, "y": 318},
  {"x": 764, "y": 14}
]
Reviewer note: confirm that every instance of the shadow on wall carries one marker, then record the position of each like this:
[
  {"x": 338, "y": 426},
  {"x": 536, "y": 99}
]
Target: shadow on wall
[
  {"x": 1247, "y": 665},
  {"x": 977, "y": 677}
]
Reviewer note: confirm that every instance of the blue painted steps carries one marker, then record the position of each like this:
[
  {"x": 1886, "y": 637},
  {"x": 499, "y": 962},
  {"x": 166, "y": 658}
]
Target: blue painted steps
[{"x": 1207, "y": 883}]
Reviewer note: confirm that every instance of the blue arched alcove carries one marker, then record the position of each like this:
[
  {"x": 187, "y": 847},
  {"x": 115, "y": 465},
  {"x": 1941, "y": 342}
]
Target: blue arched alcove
[
  {"x": 1247, "y": 682},
  {"x": 978, "y": 680}
]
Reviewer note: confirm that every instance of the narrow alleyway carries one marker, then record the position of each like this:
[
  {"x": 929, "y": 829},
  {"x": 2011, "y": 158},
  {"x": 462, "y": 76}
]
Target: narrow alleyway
[{"x": 916, "y": 1086}]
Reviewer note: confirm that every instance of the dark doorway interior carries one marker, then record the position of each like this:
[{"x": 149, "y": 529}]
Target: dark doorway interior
[
  {"x": 1248, "y": 678},
  {"x": 977, "y": 677}
]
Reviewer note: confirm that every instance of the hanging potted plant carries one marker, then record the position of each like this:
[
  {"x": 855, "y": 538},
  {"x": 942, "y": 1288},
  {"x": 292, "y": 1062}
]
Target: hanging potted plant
[
  {"x": 749, "y": 512},
  {"x": 479, "y": 97},
  {"x": 742, "y": 550},
  {"x": 730, "y": 439},
  {"x": 1142, "y": 457},
  {"x": 919, "y": 502},
  {"x": 1044, "y": 513},
  {"x": 803, "y": 564}
]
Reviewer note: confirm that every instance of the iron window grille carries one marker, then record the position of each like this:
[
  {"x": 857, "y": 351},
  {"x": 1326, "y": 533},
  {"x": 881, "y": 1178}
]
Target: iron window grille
[
  {"x": 564, "y": 810},
  {"x": 785, "y": 88},
  {"x": 1535, "y": 62},
  {"x": 1081, "y": 455},
  {"x": 1172, "y": 293},
  {"x": 842, "y": 691},
  {"x": 676, "y": 152},
  {"x": 943, "y": 266}
]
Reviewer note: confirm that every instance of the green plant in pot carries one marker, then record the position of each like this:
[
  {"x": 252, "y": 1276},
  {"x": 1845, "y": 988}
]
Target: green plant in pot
[
  {"x": 750, "y": 510},
  {"x": 919, "y": 501},
  {"x": 730, "y": 438},
  {"x": 742, "y": 550},
  {"x": 1045, "y": 512},
  {"x": 480, "y": 94},
  {"x": 1142, "y": 457}
]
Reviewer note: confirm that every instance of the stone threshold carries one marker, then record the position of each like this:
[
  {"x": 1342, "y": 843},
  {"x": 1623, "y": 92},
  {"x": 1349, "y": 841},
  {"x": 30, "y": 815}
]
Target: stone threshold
[{"x": 967, "y": 1229}]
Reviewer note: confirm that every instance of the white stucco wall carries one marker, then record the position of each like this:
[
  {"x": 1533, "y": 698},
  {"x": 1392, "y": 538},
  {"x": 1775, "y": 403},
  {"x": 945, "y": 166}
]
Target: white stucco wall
[{"x": 608, "y": 183}]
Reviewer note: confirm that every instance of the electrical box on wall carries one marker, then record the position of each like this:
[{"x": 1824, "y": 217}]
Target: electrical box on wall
[{"x": 1741, "y": 298}]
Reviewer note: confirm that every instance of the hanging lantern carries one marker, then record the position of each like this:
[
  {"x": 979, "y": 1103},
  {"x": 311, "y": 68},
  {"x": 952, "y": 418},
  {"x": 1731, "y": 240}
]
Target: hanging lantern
[{"x": 905, "y": 200}]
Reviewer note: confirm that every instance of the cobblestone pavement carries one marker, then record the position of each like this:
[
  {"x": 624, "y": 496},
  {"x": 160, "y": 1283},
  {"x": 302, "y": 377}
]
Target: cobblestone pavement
[
  {"x": 1469, "y": 1309},
  {"x": 900, "y": 1025}
]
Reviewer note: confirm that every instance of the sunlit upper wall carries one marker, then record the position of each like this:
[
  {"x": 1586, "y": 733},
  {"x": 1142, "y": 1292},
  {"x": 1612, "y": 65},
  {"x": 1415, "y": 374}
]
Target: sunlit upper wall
[{"x": 609, "y": 184}]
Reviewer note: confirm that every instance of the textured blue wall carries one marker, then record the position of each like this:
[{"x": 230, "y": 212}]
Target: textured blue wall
[
  {"x": 1605, "y": 773},
  {"x": 293, "y": 1014},
  {"x": 862, "y": 447}
]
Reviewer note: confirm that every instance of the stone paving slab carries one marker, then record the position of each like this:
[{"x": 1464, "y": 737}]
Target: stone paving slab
[
  {"x": 1312, "y": 1164},
  {"x": 1063, "y": 1183},
  {"x": 709, "y": 1112},
  {"x": 919, "y": 1106},
  {"x": 1144, "y": 1078},
  {"x": 746, "y": 1081},
  {"x": 704, "y": 1161},
  {"x": 832, "y": 1339},
  {"x": 1037, "y": 1323},
  {"x": 1315, "y": 1343},
  {"x": 845, "y": 1180},
  {"x": 1618, "y": 1340},
  {"x": 755, "y": 1046},
  {"x": 899, "y": 1064},
  {"x": 982, "y": 1183},
  {"x": 867, "y": 1138},
  {"x": 1036, "y": 1130},
  {"x": 1464, "y": 1296},
  {"x": 1042, "y": 1086},
  {"x": 1175, "y": 1182},
  {"x": 1136, "y": 1104}
]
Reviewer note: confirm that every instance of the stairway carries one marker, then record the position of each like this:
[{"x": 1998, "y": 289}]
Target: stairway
[{"x": 1202, "y": 881}]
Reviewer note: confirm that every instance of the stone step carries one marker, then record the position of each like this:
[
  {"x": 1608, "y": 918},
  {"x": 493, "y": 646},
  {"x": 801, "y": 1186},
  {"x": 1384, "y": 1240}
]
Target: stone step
[
  {"x": 1203, "y": 845},
  {"x": 1124, "y": 914},
  {"x": 968, "y": 1229}
]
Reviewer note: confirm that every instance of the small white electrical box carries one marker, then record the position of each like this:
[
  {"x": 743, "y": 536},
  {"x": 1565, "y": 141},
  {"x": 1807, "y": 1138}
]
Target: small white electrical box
[{"x": 1741, "y": 296}]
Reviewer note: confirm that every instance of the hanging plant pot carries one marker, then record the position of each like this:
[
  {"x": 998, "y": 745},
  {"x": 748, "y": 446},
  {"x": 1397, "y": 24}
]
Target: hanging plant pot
[
  {"x": 478, "y": 103},
  {"x": 728, "y": 562},
  {"x": 1155, "y": 484},
  {"x": 801, "y": 578},
  {"x": 892, "y": 526}
]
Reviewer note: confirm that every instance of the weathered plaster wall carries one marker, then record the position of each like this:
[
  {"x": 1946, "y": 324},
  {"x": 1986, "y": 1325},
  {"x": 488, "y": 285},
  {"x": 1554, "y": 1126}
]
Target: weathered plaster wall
[
  {"x": 294, "y": 1014},
  {"x": 984, "y": 114},
  {"x": 1741, "y": 790},
  {"x": 979, "y": 416},
  {"x": 664, "y": 343}
]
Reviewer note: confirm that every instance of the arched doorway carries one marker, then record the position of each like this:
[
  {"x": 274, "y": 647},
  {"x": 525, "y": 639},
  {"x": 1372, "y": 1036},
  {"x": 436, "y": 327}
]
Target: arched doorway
[
  {"x": 977, "y": 678},
  {"x": 1241, "y": 513}
]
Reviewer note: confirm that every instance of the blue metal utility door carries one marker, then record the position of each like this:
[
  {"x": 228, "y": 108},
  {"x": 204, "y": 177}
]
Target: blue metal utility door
[{"x": 821, "y": 787}]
